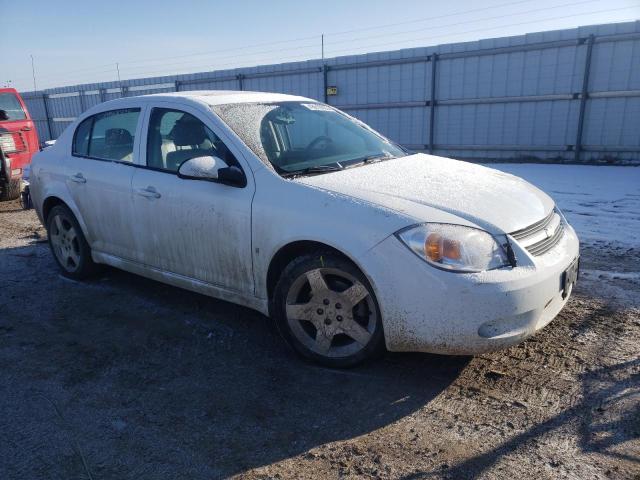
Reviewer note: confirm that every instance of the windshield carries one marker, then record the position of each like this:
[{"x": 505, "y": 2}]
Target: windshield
[
  {"x": 12, "y": 108},
  {"x": 305, "y": 137}
]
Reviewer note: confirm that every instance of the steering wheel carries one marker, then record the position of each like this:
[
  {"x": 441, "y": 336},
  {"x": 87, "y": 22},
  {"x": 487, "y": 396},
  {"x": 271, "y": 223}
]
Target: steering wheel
[{"x": 318, "y": 141}]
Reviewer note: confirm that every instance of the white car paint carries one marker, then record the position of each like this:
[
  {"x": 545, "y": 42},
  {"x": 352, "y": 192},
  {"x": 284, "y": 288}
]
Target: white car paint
[
  {"x": 492, "y": 200},
  {"x": 220, "y": 240}
]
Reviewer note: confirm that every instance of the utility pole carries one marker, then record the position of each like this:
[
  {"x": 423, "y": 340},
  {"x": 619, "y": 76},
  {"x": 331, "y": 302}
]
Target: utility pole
[
  {"x": 33, "y": 72},
  {"x": 119, "y": 82},
  {"x": 322, "y": 44}
]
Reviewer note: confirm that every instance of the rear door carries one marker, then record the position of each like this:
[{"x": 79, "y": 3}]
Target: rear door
[
  {"x": 194, "y": 228},
  {"x": 99, "y": 172}
]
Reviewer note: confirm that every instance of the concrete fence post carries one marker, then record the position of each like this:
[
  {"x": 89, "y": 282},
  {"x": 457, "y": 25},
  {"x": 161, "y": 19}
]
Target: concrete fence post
[
  {"x": 46, "y": 114},
  {"x": 432, "y": 102},
  {"x": 325, "y": 72},
  {"x": 583, "y": 97}
]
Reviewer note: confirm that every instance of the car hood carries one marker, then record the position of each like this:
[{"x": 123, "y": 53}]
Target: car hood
[{"x": 488, "y": 198}]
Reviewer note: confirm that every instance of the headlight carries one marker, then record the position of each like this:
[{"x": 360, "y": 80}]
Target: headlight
[
  {"x": 455, "y": 247},
  {"x": 7, "y": 143},
  {"x": 562, "y": 217}
]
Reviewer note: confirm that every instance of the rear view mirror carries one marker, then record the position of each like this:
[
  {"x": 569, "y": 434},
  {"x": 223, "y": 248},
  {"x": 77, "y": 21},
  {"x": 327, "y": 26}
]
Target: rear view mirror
[
  {"x": 282, "y": 116},
  {"x": 232, "y": 176},
  {"x": 212, "y": 169},
  {"x": 201, "y": 168}
]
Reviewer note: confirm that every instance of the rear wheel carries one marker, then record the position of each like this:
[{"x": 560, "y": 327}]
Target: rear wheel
[
  {"x": 67, "y": 242},
  {"x": 10, "y": 189},
  {"x": 325, "y": 308}
]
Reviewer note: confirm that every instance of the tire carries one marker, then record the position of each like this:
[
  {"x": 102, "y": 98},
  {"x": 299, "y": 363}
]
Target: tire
[
  {"x": 68, "y": 245},
  {"x": 10, "y": 190},
  {"x": 326, "y": 310}
]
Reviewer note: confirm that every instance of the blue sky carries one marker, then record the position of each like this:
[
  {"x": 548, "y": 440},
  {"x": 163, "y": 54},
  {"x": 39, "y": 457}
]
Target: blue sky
[{"x": 75, "y": 42}]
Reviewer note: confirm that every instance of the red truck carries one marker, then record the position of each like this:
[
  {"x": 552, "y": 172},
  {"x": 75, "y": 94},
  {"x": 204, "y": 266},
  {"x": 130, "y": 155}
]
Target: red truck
[{"x": 18, "y": 142}]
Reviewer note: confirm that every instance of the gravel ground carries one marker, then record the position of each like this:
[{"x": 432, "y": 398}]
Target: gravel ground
[{"x": 121, "y": 377}]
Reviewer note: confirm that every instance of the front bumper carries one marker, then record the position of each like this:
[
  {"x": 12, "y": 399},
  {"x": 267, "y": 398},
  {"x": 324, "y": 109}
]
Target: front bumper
[{"x": 429, "y": 310}]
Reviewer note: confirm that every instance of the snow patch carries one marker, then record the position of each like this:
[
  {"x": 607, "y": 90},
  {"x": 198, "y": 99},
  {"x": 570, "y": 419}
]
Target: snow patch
[
  {"x": 602, "y": 203},
  {"x": 613, "y": 275}
]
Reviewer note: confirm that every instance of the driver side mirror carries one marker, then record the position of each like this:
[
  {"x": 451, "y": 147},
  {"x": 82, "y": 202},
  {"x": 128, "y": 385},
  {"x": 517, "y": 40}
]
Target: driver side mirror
[
  {"x": 213, "y": 169},
  {"x": 3, "y": 115}
]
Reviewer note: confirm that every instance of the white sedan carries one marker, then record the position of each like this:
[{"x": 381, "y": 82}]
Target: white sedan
[{"x": 294, "y": 208}]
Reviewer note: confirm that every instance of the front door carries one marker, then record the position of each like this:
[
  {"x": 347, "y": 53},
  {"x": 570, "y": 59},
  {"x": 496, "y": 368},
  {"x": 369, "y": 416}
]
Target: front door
[
  {"x": 195, "y": 228},
  {"x": 99, "y": 173},
  {"x": 24, "y": 138}
]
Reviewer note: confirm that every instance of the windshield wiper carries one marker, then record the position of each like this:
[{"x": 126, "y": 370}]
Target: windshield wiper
[
  {"x": 311, "y": 170},
  {"x": 370, "y": 159},
  {"x": 338, "y": 165}
]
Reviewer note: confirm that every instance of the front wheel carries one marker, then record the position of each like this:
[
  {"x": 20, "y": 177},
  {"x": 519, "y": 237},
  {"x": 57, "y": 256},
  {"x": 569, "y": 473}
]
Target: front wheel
[
  {"x": 326, "y": 309},
  {"x": 10, "y": 190}
]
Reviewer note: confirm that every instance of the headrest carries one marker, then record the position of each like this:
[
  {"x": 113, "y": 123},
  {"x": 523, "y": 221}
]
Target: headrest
[
  {"x": 117, "y": 137},
  {"x": 188, "y": 132}
]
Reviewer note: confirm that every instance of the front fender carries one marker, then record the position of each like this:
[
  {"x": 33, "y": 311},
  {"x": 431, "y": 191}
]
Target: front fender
[{"x": 284, "y": 212}]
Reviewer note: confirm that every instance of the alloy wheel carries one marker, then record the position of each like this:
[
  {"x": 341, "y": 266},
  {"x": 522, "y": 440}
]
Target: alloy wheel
[
  {"x": 65, "y": 243},
  {"x": 331, "y": 312}
]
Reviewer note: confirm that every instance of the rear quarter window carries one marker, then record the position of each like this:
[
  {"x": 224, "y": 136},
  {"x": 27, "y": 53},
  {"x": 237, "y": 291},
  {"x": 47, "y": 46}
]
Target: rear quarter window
[{"x": 12, "y": 107}]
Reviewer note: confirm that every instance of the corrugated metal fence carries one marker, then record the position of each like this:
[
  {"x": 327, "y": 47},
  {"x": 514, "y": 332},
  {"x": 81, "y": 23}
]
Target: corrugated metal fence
[{"x": 567, "y": 95}]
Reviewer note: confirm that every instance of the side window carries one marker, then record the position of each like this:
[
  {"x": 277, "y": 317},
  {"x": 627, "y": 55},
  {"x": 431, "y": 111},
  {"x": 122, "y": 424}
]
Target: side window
[
  {"x": 113, "y": 135},
  {"x": 11, "y": 106},
  {"x": 176, "y": 136},
  {"x": 81, "y": 138}
]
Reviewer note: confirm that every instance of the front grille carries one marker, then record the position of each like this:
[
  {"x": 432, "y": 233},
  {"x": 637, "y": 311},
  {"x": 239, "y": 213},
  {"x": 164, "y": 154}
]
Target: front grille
[{"x": 541, "y": 236}]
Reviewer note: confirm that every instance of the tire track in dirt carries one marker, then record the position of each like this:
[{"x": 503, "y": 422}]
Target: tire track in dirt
[{"x": 156, "y": 382}]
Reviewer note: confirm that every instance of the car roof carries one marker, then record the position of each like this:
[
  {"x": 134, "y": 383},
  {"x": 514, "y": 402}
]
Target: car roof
[
  {"x": 207, "y": 97},
  {"x": 220, "y": 97}
]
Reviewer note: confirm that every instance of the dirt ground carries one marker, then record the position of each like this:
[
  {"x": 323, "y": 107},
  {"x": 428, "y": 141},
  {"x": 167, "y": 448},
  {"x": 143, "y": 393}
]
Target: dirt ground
[{"x": 121, "y": 377}]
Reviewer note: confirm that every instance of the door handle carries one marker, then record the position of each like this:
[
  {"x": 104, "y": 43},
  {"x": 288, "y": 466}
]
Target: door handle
[
  {"x": 78, "y": 178},
  {"x": 26, "y": 129},
  {"x": 148, "y": 192}
]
